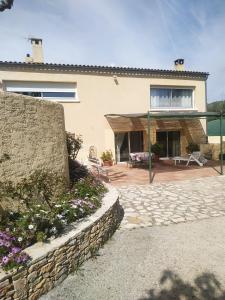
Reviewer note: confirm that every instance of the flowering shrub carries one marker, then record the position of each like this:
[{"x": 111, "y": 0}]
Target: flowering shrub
[
  {"x": 41, "y": 219},
  {"x": 11, "y": 256},
  {"x": 88, "y": 187},
  {"x": 39, "y": 223}
]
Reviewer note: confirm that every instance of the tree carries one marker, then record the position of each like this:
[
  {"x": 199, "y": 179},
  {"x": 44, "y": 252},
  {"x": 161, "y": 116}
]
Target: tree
[{"x": 6, "y": 4}]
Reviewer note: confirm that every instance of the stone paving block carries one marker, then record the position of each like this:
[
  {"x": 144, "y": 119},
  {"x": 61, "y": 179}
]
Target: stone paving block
[{"x": 177, "y": 202}]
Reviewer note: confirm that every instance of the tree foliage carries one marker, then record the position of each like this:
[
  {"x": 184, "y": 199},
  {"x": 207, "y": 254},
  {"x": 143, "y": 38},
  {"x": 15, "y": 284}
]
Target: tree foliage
[
  {"x": 216, "y": 106},
  {"x": 6, "y": 4},
  {"x": 74, "y": 144}
]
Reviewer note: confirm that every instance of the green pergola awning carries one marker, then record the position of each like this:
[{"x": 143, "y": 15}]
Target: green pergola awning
[
  {"x": 214, "y": 128},
  {"x": 176, "y": 115}
]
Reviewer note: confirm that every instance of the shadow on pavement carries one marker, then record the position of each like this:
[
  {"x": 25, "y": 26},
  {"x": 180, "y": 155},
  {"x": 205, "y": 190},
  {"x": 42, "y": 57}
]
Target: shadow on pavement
[{"x": 173, "y": 287}]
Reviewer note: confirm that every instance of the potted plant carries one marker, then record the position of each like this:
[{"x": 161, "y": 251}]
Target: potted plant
[
  {"x": 107, "y": 158},
  {"x": 192, "y": 147},
  {"x": 156, "y": 149}
]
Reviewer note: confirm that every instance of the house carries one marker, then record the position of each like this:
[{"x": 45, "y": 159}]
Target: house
[{"x": 90, "y": 94}]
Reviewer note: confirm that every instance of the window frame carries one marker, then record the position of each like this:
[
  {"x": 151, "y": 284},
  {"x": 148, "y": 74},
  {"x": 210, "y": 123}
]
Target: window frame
[
  {"x": 192, "y": 88},
  {"x": 54, "y": 99}
]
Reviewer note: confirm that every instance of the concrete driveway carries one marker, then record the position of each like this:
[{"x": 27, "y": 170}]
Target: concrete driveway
[{"x": 180, "y": 260}]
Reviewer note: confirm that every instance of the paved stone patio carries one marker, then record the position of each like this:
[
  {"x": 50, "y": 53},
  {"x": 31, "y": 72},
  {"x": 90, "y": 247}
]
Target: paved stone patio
[
  {"x": 165, "y": 171},
  {"x": 173, "y": 202}
]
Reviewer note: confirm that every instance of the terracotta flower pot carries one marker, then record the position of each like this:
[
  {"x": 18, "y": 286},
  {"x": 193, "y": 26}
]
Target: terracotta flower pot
[{"x": 156, "y": 157}]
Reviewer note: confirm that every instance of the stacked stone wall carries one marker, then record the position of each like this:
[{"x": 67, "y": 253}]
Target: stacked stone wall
[{"x": 52, "y": 262}]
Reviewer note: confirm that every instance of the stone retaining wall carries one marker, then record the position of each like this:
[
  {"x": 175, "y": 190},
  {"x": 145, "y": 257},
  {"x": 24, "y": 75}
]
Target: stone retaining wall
[{"x": 52, "y": 262}]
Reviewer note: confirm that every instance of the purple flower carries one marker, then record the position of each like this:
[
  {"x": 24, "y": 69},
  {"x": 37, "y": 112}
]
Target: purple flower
[
  {"x": 18, "y": 259},
  {"x": 91, "y": 205},
  {"x": 5, "y": 260},
  {"x": 22, "y": 258},
  {"x": 25, "y": 257},
  {"x": 7, "y": 244},
  {"x": 15, "y": 250}
]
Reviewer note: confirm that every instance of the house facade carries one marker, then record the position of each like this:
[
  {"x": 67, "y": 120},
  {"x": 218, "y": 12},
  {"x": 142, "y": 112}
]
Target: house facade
[{"x": 90, "y": 93}]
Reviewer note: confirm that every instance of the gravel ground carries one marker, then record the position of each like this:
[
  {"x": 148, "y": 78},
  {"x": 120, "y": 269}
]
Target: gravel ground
[{"x": 180, "y": 261}]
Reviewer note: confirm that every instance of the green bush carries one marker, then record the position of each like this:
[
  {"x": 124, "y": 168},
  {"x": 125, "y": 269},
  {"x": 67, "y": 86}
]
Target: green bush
[
  {"x": 41, "y": 187},
  {"x": 192, "y": 147},
  {"x": 107, "y": 155},
  {"x": 47, "y": 207},
  {"x": 90, "y": 188},
  {"x": 156, "y": 149},
  {"x": 77, "y": 171},
  {"x": 74, "y": 144}
]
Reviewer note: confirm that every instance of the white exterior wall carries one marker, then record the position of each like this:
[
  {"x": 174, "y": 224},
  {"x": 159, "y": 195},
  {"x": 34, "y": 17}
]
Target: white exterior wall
[{"x": 99, "y": 95}]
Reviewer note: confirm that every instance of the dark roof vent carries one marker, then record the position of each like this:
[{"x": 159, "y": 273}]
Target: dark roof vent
[
  {"x": 179, "y": 64},
  {"x": 179, "y": 61}
]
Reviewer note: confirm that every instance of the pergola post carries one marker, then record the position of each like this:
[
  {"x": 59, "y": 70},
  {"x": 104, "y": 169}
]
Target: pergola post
[
  {"x": 149, "y": 150},
  {"x": 221, "y": 143}
]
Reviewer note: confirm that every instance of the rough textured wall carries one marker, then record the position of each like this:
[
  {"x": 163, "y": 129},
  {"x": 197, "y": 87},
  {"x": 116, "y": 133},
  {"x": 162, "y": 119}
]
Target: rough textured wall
[
  {"x": 213, "y": 149},
  {"x": 32, "y": 136}
]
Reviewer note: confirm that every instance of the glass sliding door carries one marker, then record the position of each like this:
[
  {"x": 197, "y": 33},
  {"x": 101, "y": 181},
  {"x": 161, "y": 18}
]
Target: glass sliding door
[
  {"x": 136, "y": 141},
  {"x": 122, "y": 146},
  {"x": 170, "y": 142},
  {"x": 162, "y": 139},
  {"x": 173, "y": 143},
  {"x": 128, "y": 142}
]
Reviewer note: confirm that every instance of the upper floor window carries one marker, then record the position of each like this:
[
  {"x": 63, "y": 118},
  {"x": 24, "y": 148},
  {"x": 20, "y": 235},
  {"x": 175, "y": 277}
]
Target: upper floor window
[
  {"x": 62, "y": 92},
  {"x": 171, "y": 98}
]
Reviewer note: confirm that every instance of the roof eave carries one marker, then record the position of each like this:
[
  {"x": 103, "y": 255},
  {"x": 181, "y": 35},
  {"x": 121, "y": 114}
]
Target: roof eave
[{"x": 105, "y": 69}]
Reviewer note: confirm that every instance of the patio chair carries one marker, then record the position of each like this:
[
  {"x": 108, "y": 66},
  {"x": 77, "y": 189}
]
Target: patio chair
[
  {"x": 198, "y": 158},
  {"x": 101, "y": 171},
  {"x": 194, "y": 156}
]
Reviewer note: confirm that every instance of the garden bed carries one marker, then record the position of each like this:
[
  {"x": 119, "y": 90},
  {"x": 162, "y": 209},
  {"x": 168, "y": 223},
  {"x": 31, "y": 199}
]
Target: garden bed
[
  {"x": 53, "y": 261},
  {"x": 39, "y": 208}
]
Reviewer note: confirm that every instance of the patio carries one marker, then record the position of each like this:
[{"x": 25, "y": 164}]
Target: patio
[{"x": 164, "y": 171}]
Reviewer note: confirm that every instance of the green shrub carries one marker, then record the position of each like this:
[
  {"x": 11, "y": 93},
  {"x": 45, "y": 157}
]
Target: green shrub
[
  {"x": 45, "y": 212},
  {"x": 156, "y": 149},
  {"x": 41, "y": 187},
  {"x": 74, "y": 144},
  {"x": 77, "y": 171},
  {"x": 90, "y": 188},
  {"x": 107, "y": 155},
  {"x": 192, "y": 147}
]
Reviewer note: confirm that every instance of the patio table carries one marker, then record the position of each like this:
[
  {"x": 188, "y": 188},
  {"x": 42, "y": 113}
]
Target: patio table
[{"x": 139, "y": 156}]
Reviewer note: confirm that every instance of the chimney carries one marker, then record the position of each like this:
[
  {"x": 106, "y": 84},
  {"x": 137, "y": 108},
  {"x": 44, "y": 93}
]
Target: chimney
[
  {"x": 179, "y": 64},
  {"x": 37, "y": 51},
  {"x": 28, "y": 58}
]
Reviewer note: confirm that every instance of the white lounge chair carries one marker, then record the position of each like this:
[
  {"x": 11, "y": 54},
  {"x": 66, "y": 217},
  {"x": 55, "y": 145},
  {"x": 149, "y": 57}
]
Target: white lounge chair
[
  {"x": 198, "y": 158},
  {"x": 194, "y": 156}
]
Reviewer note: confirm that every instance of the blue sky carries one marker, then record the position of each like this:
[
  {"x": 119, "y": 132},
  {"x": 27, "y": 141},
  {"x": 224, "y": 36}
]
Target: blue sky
[{"x": 139, "y": 33}]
